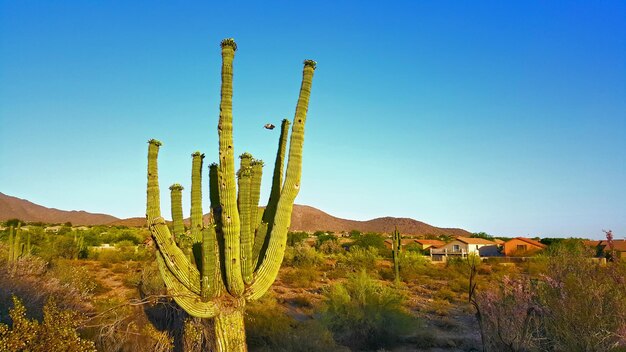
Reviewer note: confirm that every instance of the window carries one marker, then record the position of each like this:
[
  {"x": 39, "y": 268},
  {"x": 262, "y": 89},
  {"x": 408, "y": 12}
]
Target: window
[
  {"x": 521, "y": 247},
  {"x": 456, "y": 248}
]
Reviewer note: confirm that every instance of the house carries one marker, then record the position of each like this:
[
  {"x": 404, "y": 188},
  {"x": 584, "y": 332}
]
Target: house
[
  {"x": 603, "y": 249},
  {"x": 522, "y": 247},
  {"x": 468, "y": 245},
  {"x": 425, "y": 244}
]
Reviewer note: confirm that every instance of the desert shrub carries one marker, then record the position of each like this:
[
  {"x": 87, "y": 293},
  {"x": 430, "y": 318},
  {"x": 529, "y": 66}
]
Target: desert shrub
[
  {"x": 412, "y": 265},
  {"x": 370, "y": 239},
  {"x": 302, "y": 255},
  {"x": 74, "y": 276},
  {"x": 323, "y": 237},
  {"x": 584, "y": 304},
  {"x": 268, "y": 328},
  {"x": 363, "y": 314},
  {"x": 294, "y": 238},
  {"x": 301, "y": 277},
  {"x": 124, "y": 251},
  {"x": 57, "y": 331},
  {"x": 151, "y": 283},
  {"x": 358, "y": 259},
  {"x": 575, "y": 305},
  {"x": 330, "y": 247}
]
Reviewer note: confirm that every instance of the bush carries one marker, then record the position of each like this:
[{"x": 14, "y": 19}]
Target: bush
[
  {"x": 301, "y": 277},
  {"x": 294, "y": 238},
  {"x": 358, "y": 259},
  {"x": 372, "y": 240},
  {"x": 57, "y": 331},
  {"x": 412, "y": 265},
  {"x": 302, "y": 256},
  {"x": 323, "y": 237},
  {"x": 363, "y": 314},
  {"x": 269, "y": 328},
  {"x": 331, "y": 247}
]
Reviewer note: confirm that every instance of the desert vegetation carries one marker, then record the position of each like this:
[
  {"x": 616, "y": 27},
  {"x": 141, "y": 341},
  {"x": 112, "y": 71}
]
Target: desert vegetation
[{"x": 344, "y": 299}]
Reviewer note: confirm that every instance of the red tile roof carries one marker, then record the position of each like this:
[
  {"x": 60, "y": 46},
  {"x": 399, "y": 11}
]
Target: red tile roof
[
  {"x": 475, "y": 240},
  {"x": 533, "y": 242},
  {"x": 431, "y": 242}
]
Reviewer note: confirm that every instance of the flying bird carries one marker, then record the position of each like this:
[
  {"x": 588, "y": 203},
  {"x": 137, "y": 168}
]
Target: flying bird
[{"x": 269, "y": 126}]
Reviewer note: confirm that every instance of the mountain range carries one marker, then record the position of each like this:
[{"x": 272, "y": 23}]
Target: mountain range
[{"x": 304, "y": 218}]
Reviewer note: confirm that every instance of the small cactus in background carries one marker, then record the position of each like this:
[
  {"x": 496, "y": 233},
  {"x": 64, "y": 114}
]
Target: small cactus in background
[
  {"x": 236, "y": 256},
  {"x": 396, "y": 247},
  {"x": 17, "y": 249},
  {"x": 79, "y": 244}
]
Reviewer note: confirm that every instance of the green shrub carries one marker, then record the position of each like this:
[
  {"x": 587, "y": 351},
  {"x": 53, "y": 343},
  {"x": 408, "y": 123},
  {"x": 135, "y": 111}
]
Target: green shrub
[
  {"x": 294, "y": 238},
  {"x": 358, "y": 259},
  {"x": 57, "y": 331},
  {"x": 301, "y": 277},
  {"x": 269, "y": 328},
  {"x": 363, "y": 314},
  {"x": 302, "y": 255},
  {"x": 323, "y": 237},
  {"x": 330, "y": 247},
  {"x": 412, "y": 265},
  {"x": 370, "y": 239}
]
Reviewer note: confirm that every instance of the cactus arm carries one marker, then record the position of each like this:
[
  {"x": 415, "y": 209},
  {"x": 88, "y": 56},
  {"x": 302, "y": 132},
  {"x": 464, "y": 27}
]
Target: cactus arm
[
  {"x": 176, "y": 195},
  {"x": 196, "y": 197},
  {"x": 243, "y": 203},
  {"x": 11, "y": 244},
  {"x": 277, "y": 178},
  {"x": 153, "y": 206},
  {"x": 176, "y": 261},
  {"x": 212, "y": 286},
  {"x": 260, "y": 244},
  {"x": 228, "y": 197},
  {"x": 255, "y": 194},
  {"x": 270, "y": 263},
  {"x": 185, "y": 298},
  {"x": 214, "y": 193}
]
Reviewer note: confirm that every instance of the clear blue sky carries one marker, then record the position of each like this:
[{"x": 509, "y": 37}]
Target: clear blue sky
[{"x": 504, "y": 117}]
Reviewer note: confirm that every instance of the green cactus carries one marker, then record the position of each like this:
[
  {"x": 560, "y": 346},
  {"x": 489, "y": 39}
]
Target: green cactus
[
  {"x": 79, "y": 242},
  {"x": 396, "y": 244},
  {"x": 240, "y": 250},
  {"x": 10, "y": 257},
  {"x": 178, "y": 227},
  {"x": 17, "y": 249}
]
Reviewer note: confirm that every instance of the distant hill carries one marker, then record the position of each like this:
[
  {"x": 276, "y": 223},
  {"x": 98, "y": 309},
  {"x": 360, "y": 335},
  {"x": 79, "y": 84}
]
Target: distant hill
[
  {"x": 304, "y": 218},
  {"x": 12, "y": 207}
]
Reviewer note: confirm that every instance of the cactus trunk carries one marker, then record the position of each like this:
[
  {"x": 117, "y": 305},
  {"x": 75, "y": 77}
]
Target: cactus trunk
[
  {"x": 11, "y": 244},
  {"x": 229, "y": 332},
  {"x": 234, "y": 267},
  {"x": 396, "y": 248}
]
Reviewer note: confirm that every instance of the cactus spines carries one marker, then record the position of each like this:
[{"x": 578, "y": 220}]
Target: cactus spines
[
  {"x": 396, "y": 249},
  {"x": 234, "y": 268}
]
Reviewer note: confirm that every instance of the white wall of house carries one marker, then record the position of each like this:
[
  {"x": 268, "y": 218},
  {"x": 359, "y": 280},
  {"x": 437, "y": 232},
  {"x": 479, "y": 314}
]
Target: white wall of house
[{"x": 458, "y": 247}]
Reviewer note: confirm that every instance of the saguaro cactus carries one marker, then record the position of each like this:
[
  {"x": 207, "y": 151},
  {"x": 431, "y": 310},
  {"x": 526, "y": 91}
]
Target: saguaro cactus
[
  {"x": 396, "y": 247},
  {"x": 17, "y": 249},
  {"x": 237, "y": 254}
]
